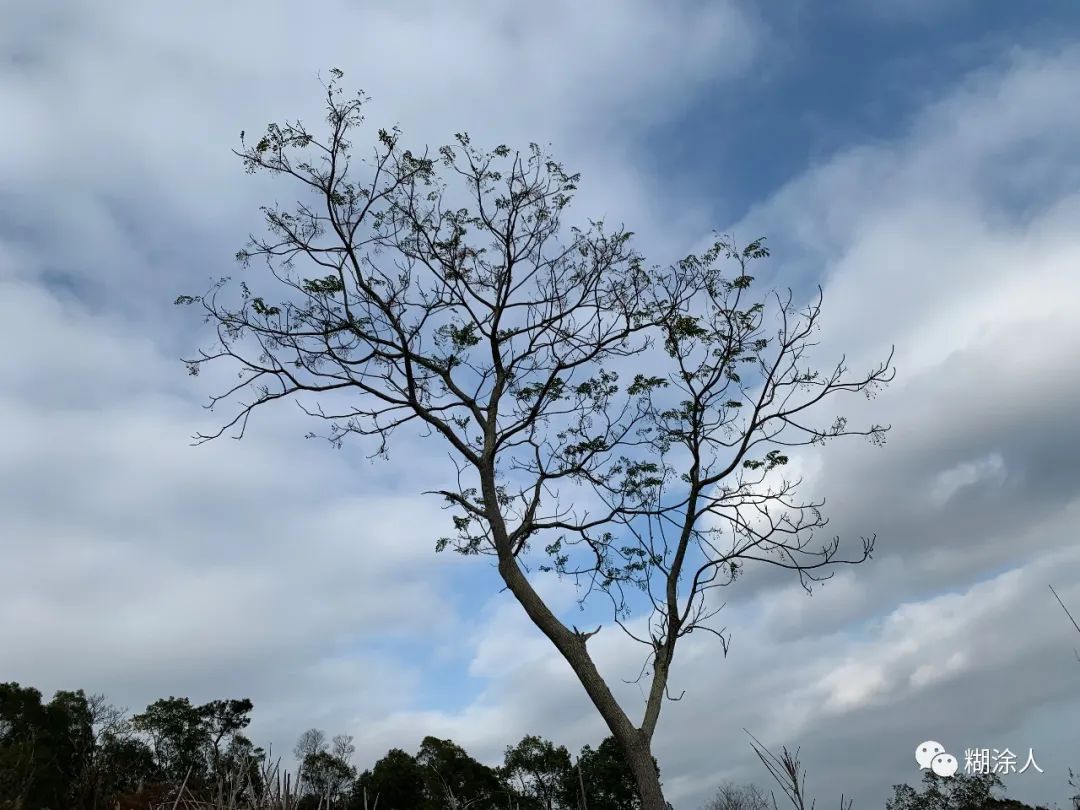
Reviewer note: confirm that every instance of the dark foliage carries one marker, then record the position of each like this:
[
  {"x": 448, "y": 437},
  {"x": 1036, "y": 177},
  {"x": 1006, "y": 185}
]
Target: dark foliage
[{"x": 79, "y": 753}]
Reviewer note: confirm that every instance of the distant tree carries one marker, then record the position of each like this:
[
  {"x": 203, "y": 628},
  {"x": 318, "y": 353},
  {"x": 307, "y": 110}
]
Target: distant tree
[
  {"x": 342, "y": 747},
  {"x": 326, "y": 772},
  {"x": 394, "y": 299},
  {"x": 609, "y": 782},
  {"x": 962, "y": 791},
  {"x": 106, "y": 719},
  {"x": 126, "y": 763},
  {"x": 327, "y": 779},
  {"x": 25, "y": 755},
  {"x": 241, "y": 771},
  {"x": 178, "y": 737},
  {"x": 192, "y": 744},
  {"x": 540, "y": 771},
  {"x": 72, "y": 724},
  {"x": 396, "y": 781},
  {"x": 451, "y": 775},
  {"x": 311, "y": 741},
  {"x": 732, "y": 796},
  {"x": 223, "y": 721},
  {"x": 45, "y": 748},
  {"x": 64, "y": 753},
  {"x": 93, "y": 782}
]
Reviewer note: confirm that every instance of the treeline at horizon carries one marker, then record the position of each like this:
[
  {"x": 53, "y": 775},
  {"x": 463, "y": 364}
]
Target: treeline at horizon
[{"x": 79, "y": 752}]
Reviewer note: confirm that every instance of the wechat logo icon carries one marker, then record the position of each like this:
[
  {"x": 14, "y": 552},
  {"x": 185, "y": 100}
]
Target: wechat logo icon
[{"x": 932, "y": 755}]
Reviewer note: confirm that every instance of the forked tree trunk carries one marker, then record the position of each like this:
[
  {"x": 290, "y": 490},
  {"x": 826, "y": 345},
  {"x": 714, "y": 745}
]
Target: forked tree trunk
[{"x": 635, "y": 747}]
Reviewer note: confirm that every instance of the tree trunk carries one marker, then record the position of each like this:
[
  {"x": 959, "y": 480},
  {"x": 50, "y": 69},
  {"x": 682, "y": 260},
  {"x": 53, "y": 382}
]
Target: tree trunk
[
  {"x": 634, "y": 742},
  {"x": 635, "y": 747},
  {"x": 639, "y": 757}
]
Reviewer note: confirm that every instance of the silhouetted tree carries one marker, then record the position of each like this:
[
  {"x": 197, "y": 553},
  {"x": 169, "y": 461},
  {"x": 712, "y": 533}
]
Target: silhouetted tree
[
  {"x": 200, "y": 745},
  {"x": 962, "y": 791},
  {"x": 450, "y": 773},
  {"x": 44, "y": 748},
  {"x": 90, "y": 788},
  {"x": 311, "y": 741},
  {"x": 396, "y": 780},
  {"x": 178, "y": 737},
  {"x": 81, "y": 753},
  {"x": 540, "y": 771},
  {"x": 608, "y": 780},
  {"x": 732, "y": 796},
  {"x": 126, "y": 763},
  {"x": 224, "y": 720},
  {"x": 326, "y": 771}
]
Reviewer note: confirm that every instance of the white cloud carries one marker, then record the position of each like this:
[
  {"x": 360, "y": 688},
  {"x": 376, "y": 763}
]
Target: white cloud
[
  {"x": 142, "y": 567},
  {"x": 272, "y": 567},
  {"x": 987, "y": 471},
  {"x": 913, "y": 245}
]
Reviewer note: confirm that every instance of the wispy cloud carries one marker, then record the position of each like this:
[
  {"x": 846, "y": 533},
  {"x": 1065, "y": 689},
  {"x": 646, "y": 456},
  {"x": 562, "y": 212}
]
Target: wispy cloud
[{"x": 305, "y": 578}]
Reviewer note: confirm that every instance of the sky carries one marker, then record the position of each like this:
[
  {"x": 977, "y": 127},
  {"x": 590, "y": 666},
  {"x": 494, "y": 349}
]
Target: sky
[{"x": 919, "y": 161}]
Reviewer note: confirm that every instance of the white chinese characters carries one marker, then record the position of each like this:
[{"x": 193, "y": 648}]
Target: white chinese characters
[{"x": 994, "y": 760}]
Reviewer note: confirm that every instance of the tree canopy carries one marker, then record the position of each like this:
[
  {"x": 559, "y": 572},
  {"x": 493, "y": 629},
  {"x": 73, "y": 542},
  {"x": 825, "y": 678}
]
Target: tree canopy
[{"x": 615, "y": 421}]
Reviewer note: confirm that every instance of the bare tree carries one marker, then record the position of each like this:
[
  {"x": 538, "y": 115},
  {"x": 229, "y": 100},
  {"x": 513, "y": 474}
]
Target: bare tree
[
  {"x": 106, "y": 721},
  {"x": 341, "y": 747},
  {"x": 732, "y": 796},
  {"x": 443, "y": 292},
  {"x": 310, "y": 742}
]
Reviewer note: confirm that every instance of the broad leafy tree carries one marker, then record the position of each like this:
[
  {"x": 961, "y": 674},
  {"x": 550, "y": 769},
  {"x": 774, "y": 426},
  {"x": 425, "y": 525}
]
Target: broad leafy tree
[
  {"x": 70, "y": 752},
  {"x": 223, "y": 721},
  {"x": 40, "y": 746},
  {"x": 452, "y": 777},
  {"x": 539, "y": 771},
  {"x": 396, "y": 781},
  {"x": 618, "y": 422},
  {"x": 200, "y": 746},
  {"x": 178, "y": 738}
]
